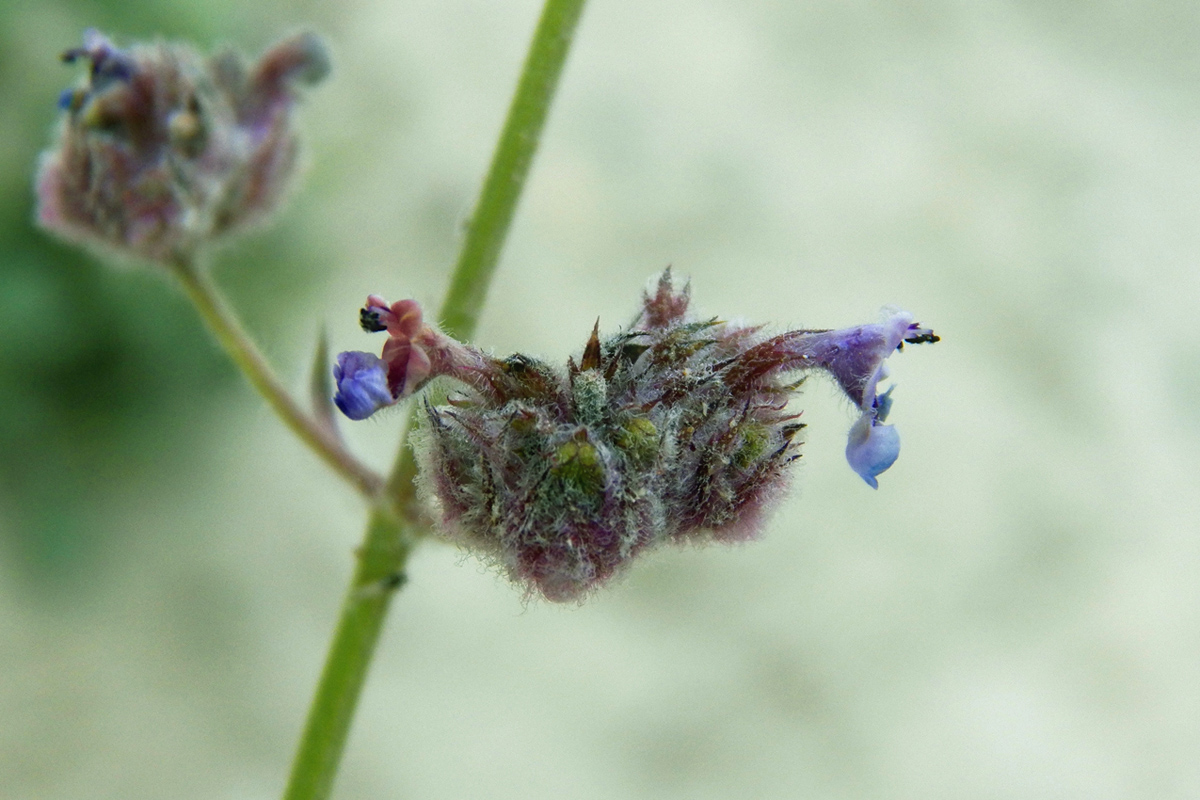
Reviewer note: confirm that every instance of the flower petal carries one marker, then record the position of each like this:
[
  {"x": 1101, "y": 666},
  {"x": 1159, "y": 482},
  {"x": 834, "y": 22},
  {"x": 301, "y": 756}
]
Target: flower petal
[
  {"x": 407, "y": 319},
  {"x": 362, "y": 387},
  {"x": 872, "y": 447}
]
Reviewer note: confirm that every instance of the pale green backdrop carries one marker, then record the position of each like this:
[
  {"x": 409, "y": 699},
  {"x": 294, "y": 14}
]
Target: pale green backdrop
[{"x": 1014, "y": 615}]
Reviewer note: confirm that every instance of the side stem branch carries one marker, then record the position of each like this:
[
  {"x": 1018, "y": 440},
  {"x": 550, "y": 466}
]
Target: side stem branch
[{"x": 228, "y": 331}]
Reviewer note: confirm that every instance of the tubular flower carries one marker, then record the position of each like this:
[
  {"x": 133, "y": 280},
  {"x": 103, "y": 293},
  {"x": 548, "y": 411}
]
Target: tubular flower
[
  {"x": 855, "y": 358},
  {"x": 161, "y": 150},
  {"x": 673, "y": 430},
  {"x": 413, "y": 353}
]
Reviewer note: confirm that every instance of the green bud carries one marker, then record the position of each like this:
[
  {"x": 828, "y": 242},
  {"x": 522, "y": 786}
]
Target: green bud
[
  {"x": 755, "y": 437},
  {"x": 638, "y": 438},
  {"x": 579, "y": 468}
]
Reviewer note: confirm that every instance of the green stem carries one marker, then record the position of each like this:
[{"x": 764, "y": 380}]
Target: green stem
[
  {"x": 497, "y": 203},
  {"x": 224, "y": 326},
  {"x": 389, "y": 541},
  {"x": 381, "y": 562},
  {"x": 510, "y": 165}
]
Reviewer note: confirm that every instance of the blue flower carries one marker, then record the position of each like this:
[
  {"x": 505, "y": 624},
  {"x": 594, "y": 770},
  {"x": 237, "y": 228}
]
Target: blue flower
[
  {"x": 872, "y": 447},
  {"x": 362, "y": 387},
  {"x": 856, "y": 358}
]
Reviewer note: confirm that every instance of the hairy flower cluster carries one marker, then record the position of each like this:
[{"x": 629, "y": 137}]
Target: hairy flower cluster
[
  {"x": 674, "y": 430},
  {"x": 161, "y": 150}
]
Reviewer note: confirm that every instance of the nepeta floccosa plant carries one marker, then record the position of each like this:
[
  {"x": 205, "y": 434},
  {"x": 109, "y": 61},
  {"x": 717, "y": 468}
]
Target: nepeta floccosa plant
[{"x": 676, "y": 428}]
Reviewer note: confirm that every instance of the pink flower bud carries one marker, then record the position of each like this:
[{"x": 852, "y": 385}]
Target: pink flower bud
[{"x": 413, "y": 354}]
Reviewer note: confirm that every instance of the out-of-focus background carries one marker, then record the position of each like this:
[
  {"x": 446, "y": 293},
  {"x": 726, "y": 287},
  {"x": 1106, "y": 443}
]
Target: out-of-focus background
[{"x": 1014, "y": 614}]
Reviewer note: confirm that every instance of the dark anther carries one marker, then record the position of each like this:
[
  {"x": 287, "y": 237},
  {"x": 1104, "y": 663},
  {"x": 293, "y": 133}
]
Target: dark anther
[
  {"x": 368, "y": 318},
  {"x": 783, "y": 448},
  {"x": 394, "y": 581},
  {"x": 434, "y": 416},
  {"x": 925, "y": 337}
]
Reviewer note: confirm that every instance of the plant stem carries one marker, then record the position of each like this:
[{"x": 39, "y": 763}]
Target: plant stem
[
  {"x": 510, "y": 165},
  {"x": 389, "y": 541},
  {"x": 381, "y": 562},
  {"x": 224, "y": 325},
  {"x": 497, "y": 202}
]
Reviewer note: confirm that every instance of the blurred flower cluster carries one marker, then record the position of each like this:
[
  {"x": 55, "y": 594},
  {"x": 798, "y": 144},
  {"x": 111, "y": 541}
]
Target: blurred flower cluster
[
  {"x": 161, "y": 150},
  {"x": 676, "y": 429}
]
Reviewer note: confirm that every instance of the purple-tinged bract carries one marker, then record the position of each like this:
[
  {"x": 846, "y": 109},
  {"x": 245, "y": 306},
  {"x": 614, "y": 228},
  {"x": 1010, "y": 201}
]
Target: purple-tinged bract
[{"x": 161, "y": 150}]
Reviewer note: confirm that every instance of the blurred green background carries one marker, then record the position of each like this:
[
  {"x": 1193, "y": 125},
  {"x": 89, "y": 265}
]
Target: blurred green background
[{"x": 1014, "y": 614}]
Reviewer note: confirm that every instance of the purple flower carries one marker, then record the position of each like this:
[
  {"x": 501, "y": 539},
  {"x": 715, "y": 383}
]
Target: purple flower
[
  {"x": 362, "y": 387},
  {"x": 856, "y": 358},
  {"x": 872, "y": 447}
]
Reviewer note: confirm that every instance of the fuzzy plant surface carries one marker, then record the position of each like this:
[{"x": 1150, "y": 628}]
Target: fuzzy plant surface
[{"x": 675, "y": 429}]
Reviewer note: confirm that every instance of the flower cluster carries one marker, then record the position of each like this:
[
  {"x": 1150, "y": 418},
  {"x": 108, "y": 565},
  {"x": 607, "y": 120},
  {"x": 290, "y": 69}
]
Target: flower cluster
[
  {"x": 674, "y": 430},
  {"x": 161, "y": 150},
  {"x": 413, "y": 353}
]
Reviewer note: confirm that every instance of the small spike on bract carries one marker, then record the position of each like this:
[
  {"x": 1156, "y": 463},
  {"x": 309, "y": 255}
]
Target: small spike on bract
[{"x": 591, "y": 352}]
